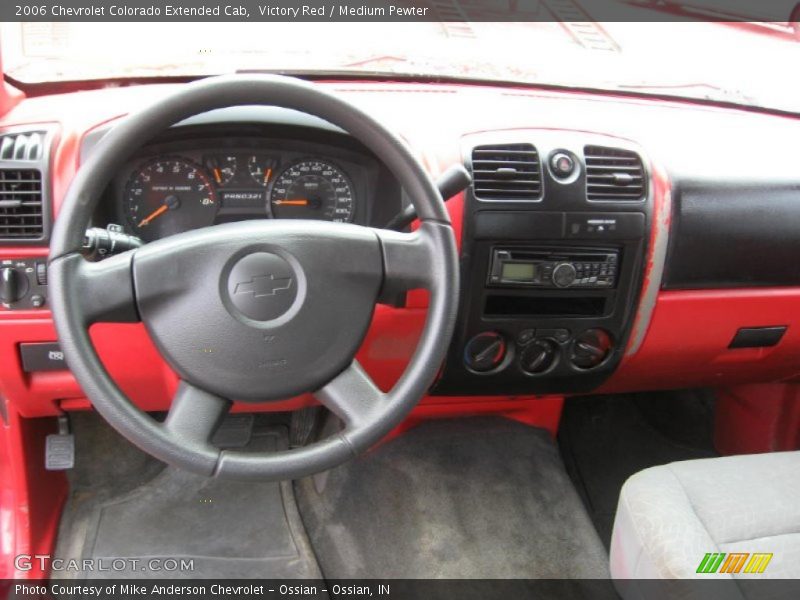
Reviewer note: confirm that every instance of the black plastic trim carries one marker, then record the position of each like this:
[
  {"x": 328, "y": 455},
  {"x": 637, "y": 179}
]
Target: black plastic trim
[
  {"x": 734, "y": 235},
  {"x": 565, "y": 220}
]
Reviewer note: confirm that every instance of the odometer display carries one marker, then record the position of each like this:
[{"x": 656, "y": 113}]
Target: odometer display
[
  {"x": 312, "y": 189},
  {"x": 168, "y": 196}
]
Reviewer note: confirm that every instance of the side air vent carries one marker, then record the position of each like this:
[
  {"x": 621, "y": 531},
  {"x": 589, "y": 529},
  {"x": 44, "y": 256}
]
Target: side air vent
[
  {"x": 613, "y": 174},
  {"x": 22, "y": 146},
  {"x": 506, "y": 172},
  {"x": 21, "y": 214}
]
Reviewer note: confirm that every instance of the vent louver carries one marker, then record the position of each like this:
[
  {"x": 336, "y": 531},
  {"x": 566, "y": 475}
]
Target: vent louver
[
  {"x": 22, "y": 146},
  {"x": 613, "y": 174},
  {"x": 506, "y": 172},
  {"x": 21, "y": 214}
]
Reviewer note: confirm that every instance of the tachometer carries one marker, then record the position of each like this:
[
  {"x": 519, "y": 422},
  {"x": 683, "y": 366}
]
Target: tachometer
[
  {"x": 167, "y": 196},
  {"x": 312, "y": 189}
]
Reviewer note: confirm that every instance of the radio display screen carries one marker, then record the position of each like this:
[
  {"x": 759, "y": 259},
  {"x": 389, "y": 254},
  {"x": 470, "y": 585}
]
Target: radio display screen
[{"x": 518, "y": 271}]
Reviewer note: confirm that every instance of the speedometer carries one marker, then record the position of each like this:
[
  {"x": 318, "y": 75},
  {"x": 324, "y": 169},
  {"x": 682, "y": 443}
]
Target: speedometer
[
  {"x": 312, "y": 189},
  {"x": 169, "y": 195}
]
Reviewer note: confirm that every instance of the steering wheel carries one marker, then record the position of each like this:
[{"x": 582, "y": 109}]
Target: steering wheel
[{"x": 254, "y": 311}]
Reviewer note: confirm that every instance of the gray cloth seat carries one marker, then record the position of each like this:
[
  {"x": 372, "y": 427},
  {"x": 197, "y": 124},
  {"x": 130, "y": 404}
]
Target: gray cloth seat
[{"x": 669, "y": 517}]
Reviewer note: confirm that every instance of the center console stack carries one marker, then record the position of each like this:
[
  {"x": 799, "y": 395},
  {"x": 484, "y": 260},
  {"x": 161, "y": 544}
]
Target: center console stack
[{"x": 556, "y": 226}]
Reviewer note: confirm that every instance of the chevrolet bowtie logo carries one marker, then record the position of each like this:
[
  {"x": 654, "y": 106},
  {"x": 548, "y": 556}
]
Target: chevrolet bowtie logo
[{"x": 263, "y": 285}]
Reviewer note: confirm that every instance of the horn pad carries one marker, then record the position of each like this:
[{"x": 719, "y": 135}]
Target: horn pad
[
  {"x": 260, "y": 310},
  {"x": 263, "y": 286}
]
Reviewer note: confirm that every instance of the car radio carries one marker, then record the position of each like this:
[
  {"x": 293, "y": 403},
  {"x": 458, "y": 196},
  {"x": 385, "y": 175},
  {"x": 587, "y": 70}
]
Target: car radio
[{"x": 553, "y": 267}]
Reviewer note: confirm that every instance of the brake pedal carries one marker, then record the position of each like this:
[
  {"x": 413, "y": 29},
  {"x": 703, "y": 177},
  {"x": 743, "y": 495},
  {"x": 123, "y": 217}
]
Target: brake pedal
[{"x": 59, "y": 448}]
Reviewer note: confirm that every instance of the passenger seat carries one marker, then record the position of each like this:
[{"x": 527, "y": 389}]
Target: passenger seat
[{"x": 670, "y": 517}]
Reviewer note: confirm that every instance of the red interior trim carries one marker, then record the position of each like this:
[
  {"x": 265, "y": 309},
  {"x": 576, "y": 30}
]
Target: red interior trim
[
  {"x": 687, "y": 341},
  {"x": 757, "y": 418},
  {"x": 30, "y": 497}
]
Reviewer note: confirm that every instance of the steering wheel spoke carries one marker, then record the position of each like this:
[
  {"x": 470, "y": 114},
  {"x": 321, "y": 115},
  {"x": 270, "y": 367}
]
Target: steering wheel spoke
[
  {"x": 195, "y": 414},
  {"x": 103, "y": 291},
  {"x": 352, "y": 396},
  {"x": 406, "y": 260}
]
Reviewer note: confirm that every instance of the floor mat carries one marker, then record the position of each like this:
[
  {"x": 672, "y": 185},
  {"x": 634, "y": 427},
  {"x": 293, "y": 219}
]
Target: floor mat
[
  {"x": 471, "y": 498},
  {"x": 606, "y": 439},
  {"x": 227, "y": 529}
]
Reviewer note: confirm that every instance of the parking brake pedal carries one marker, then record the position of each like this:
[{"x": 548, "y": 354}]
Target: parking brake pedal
[{"x": 59, "y": 448}]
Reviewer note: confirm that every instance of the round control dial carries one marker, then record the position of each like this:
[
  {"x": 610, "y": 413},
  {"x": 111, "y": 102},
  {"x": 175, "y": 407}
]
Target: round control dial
[
  {"x": 13, "y": 285},
  {"x": 590, "y": 348},
  {"x": 538, "y": 357},
  {"x": 564, "y": 274},
  {"x": 485, "y": 351}
]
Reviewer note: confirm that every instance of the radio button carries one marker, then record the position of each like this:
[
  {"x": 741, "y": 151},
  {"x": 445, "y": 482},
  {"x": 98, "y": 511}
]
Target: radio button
[{"x": 564, "y": 275}]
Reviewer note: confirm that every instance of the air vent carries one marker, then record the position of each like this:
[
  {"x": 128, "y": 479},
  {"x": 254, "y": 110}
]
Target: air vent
[
  {"x": 21, "y": 204},
  {"x": 22, "y": 146},
  {"x": 506, "y": 172},
  {"x": 613, "y": 174}
]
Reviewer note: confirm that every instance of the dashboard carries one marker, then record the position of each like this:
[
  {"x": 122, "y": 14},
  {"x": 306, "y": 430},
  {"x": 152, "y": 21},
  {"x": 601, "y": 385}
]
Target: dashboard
[
  {"x": 200, "y": 176},
  {"x": 675, "y": 281}
]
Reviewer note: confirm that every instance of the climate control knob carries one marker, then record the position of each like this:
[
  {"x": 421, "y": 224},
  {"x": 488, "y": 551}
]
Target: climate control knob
[
  {"x": 564, "y": 274},
  {"x": 538, "y": 357},
  {"x": 590, "y": 348},
  {"x": 485, "y": 351}
]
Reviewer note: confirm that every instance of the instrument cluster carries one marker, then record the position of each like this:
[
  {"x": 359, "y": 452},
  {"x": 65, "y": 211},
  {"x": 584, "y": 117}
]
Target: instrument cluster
[{"x": 180, "y": 187}]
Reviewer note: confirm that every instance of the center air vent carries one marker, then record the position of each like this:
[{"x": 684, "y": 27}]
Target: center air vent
[
  {"x": 613, "y": 174},
  {"x": 506, "y": 172},
  {"x": 21, "y": 215}
]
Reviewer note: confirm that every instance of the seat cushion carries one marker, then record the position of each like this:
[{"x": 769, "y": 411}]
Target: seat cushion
[{"x": 669, "y": 517}]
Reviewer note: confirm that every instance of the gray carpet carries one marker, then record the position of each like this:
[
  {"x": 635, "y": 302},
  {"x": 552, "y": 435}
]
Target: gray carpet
[
  {"x": 143, "y": 510},
  {"x": 472, "y": 498}
]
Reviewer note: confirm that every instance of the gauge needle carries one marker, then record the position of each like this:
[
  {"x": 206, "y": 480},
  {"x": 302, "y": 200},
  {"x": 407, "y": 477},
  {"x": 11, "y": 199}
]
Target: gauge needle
[
  {"x": 267, "y": 175},
  {"x": 156, "y": 213},
  {"x": 297, "y": 202},
  {"x": 217, "y": 175}
]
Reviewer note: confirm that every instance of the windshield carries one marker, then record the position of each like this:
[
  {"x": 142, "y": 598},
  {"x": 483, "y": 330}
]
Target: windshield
[{"x": 743, "y": 63}]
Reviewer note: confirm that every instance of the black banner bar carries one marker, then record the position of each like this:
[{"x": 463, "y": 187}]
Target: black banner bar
[
  {"x": 710, "y": 587},
  {"x": 391, "y": 11}
]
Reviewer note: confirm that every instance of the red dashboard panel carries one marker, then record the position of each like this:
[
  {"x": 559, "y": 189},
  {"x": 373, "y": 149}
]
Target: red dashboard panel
[{"x": 686, "y": 344}]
